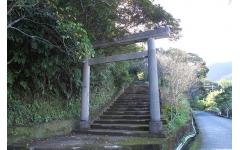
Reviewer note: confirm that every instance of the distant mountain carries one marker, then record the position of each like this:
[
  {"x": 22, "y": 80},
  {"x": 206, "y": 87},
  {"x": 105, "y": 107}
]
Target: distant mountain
[{"x": 218, "y": 70}]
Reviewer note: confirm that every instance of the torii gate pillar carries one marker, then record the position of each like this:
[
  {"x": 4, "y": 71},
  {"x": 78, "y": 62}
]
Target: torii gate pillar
[
  {"x": 155, "y": 124},
  {"x": 84, "y": 120}
]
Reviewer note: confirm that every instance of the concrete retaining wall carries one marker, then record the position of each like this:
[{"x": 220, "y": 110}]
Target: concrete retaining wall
[
  {"x": 175, "y": 139},
  {"x": 45, "y": 130}
]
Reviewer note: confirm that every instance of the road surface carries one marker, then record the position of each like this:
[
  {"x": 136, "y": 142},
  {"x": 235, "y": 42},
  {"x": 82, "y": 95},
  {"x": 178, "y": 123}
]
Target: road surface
[{"x": 216, "y": 132}]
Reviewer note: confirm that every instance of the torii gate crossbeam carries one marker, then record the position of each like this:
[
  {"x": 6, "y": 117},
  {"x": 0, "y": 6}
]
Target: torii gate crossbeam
[{"x": 155, "y": 124}]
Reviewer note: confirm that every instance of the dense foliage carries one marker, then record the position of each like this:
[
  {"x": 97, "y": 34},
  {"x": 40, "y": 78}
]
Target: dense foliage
[
  {"x": 47, "y": 41},
  {"x": 219, "y": 100},
  {"x": 224, "y": 101}
]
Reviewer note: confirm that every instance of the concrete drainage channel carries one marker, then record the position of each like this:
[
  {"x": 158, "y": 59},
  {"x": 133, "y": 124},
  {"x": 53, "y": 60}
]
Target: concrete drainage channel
[{"x": 184, "y": 144}]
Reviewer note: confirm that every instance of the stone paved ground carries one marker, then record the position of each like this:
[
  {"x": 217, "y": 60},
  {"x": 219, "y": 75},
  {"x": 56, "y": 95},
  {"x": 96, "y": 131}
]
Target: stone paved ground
[
  {"x": 91, "y": 142},
  {"x": 77, "y": 141},
  {"x": 216, "y": 132}
]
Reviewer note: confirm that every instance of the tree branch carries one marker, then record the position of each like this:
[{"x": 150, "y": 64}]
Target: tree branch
[
  {"x": 67, "y": 49},
  {"x": 45, "y": 41},
  {"x": 10, "y": 61},
  {"x": 11, "y": 6},
  {"x": 28, "y": 5},
  {"x": 12, "y": 23}
]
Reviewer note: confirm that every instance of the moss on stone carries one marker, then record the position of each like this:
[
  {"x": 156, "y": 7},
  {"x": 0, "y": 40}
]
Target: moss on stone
[{"x": 141, "y": 141}]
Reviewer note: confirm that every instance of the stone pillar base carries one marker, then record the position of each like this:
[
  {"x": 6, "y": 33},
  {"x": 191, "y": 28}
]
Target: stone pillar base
[
  {"x": 155, "y": 127},
  {"x": 84, "y": 125}
]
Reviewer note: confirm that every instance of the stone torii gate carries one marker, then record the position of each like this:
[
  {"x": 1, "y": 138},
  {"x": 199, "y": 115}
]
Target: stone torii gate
[{"x": 155, "y": 124}]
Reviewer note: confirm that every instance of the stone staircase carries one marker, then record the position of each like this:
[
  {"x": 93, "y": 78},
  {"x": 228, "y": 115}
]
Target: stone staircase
[{"x": 128, "y": 115}]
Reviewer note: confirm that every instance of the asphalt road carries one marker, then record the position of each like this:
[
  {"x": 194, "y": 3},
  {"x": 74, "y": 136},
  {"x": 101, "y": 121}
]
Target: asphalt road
[{"x": 216, "y": 132}]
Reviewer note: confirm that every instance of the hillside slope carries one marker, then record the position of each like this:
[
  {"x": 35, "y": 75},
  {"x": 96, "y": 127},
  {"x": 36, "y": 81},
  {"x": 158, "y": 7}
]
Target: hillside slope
[{"x": 217, "y": 70}]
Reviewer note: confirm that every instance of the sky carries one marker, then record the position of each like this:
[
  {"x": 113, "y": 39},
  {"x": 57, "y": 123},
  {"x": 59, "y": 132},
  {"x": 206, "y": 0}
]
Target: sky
[{"x": 210, "y": 28}]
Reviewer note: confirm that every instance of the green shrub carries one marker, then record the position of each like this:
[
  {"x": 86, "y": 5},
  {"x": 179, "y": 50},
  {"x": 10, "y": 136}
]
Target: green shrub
[
  {"x": 181, "y": 114},
  {"x": 213, "y": 110},
  {"x": 40, "y": 110}
]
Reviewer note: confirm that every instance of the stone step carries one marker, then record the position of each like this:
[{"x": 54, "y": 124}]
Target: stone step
[
  {"x": 125, "y": 117},
  {"x": 113, "y": 132},
  {"x": 120, "y": 133},
  {"x": 126, "y": 92},
  {"x": 129, "y": 106},
  {"x": 136, "y": 89},
  {"x": 127, "y": 102},
  {"x": 126, "y": 113},
  {"x": 122, "y": 121},
  {"x": 131, "y": 103},
  {"x": 125, "y": 121},
  {"x": 129, "y": 109},
  {"x": 136, "y": 92},
  {"x": 123, "y": 96},
  {"x": 135, "y": 84},
  {"x": 132, "y": 100},
  {"x": 132, "y": 127}
]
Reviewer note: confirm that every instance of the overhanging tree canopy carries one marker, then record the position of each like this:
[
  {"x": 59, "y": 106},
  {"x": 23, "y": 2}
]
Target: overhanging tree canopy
[{"x": 47, "y": 39}]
